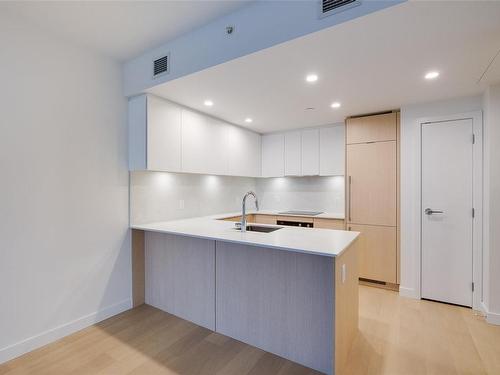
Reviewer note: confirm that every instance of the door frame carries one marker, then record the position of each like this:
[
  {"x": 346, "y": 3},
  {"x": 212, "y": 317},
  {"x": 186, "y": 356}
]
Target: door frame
[{"x": 477, "y": 200}]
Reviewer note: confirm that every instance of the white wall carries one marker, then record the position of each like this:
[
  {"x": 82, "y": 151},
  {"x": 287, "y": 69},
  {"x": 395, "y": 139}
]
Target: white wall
[
  {"x": 64, "y": 242},
  {"x": 157, "y": 196},
  {"x": 491, "y": 259},
  {"x": 410, "y": 182},
  {"x": 302, "y": 193}
]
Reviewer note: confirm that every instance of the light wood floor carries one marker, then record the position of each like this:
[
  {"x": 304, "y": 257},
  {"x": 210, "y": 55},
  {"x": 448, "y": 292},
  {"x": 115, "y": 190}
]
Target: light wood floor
[{"x": 397, "y": 336}]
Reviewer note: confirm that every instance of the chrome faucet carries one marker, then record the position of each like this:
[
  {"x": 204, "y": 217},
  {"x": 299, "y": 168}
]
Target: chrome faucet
[{"x": 244, "y": 210}]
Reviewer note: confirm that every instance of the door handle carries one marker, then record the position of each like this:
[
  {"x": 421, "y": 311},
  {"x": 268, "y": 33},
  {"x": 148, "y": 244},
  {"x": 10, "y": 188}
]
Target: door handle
[
  {"x": 349, "y": 201},
  {"x": 430, "y": 211}
]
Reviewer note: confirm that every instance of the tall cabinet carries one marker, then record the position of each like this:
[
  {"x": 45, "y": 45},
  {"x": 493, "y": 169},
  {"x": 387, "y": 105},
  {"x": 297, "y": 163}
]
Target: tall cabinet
[{"x": 372, "y": 192}]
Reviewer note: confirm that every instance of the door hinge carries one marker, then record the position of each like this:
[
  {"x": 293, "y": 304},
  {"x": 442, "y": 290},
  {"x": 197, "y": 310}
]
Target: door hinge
[
  {"x": 473, "y": 212},
  {"x": 473, "y": 138},
  {"x": 472, "y": 286}
]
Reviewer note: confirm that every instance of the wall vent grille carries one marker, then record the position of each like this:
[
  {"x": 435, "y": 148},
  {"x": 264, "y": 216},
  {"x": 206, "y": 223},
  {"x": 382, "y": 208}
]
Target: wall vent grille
[
  {"x": 161, "y": 65},
  {"x": 329, "y": 7}
]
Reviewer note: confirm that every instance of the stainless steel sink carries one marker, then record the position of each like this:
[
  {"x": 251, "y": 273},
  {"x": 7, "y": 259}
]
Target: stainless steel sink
[{"x": 259, "y": 228}]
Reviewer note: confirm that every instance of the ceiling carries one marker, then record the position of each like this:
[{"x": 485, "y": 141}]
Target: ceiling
[
  {"x": 370, "y": 64},
  {"x": 120, "y": 29}
]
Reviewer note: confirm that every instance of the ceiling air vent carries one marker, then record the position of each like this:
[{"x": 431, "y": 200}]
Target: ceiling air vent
[
  {"x": 161, "y": 66},
  {"x": 329, "y": 7}
]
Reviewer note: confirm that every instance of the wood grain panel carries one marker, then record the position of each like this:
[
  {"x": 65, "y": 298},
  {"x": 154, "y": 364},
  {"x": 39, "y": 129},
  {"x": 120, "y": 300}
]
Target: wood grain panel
[
  {"x": 346, "y": 305},
  {"x": 371, "y": 184},
  {"x": 328, "y": 223},
  {"x": 375, "y": 128},
  {"x": 279, "y": 301},
  {"x": 180, "y": 276},
  {"x": 138, "y": 281},
  {"x": 377, "y": 252},
  {"x": 265, "y": 219}
]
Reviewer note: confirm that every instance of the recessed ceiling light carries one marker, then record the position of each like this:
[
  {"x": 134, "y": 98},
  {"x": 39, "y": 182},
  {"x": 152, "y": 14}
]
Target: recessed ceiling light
[
  {"x": 335, "y": 105},
  {"x": 432, "y": 75},
  {"x": 208, "y": 103},
  {"x": 248, "y": 120},
  {"x": 311, "y": 78}
]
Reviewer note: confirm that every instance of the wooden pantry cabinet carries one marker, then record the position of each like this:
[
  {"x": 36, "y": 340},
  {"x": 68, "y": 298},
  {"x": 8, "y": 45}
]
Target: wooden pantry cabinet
[{"x": 372, "y": 193}]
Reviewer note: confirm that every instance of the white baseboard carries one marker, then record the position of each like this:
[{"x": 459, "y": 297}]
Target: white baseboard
[
  {"x": 493, "y": 318},
  {"x": 408, "y": 292},
  {"x": 51, "y": 335}
]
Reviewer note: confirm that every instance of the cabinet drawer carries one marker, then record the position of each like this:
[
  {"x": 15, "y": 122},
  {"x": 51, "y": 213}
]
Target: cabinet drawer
[
  {"x": 377, "y": 252},
  {"x": 329, "y": 223},
  {"x": 375, "y": 128},
  {"x": 265, "y": 219}
]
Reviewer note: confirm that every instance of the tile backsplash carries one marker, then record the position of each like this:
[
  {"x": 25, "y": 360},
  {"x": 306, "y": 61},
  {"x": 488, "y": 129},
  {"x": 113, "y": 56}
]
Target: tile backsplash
[
  {"x": 302, "y": 193},
  {"x": 161, "y": 196}
]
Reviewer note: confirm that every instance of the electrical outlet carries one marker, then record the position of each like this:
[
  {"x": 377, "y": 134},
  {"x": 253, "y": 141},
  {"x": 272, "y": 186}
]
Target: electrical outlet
[
  {"x": 343, "y": 273},
  {"x": 181, "y": 204}
]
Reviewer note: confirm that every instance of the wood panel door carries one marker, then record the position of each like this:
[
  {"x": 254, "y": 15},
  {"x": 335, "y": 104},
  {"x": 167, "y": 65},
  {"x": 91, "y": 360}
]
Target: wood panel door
[
  {"x": 377, "y": 128},
  {"x": 371, "y": 183},
  {"x": 377, "y": 252}
]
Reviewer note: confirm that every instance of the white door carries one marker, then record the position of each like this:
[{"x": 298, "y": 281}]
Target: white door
[{"x": 447, "y": 211}]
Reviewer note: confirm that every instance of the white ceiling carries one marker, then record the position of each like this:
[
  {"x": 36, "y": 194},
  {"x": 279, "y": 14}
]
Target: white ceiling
[
  {"x": 120, "y": 29},
  {"x": 370, "y": 64}
]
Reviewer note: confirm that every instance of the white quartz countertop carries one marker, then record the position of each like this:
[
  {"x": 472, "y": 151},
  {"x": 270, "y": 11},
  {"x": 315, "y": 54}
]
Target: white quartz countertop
[
  {"x": 323, "y": 215},
  {"x": 325, "y": 242}
]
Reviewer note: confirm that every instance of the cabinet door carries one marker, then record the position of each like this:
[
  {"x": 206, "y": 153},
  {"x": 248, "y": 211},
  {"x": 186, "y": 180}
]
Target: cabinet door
[
  {"x": 164, "y": 135},
  {"x": 375, "y": 128},
  {"x": 203, "y": 144},
  {"x": 293, "y": 154},
  {"x": 244, "y": 152},
  {"x": 310, "y": 152},
  {"x": 273, "y": 154},
  {"x": 371, "y": 183},
  {"x": 332, "y": 151},
  {"x": 137, "y": 133},
  {"x": 377, "y": 252}
]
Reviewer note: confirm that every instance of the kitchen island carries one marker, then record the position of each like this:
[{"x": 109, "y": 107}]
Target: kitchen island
[{"x": 292, "y": 292}]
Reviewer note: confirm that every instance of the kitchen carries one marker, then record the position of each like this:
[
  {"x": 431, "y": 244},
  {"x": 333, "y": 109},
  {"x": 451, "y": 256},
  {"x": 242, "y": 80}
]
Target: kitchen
[{"x": 241, "y": 211}]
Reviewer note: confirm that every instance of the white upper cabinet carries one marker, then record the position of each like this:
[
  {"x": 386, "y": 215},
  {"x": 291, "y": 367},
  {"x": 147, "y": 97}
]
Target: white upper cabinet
[
  {"x": 273, "y": 155},
  {"x": 163, "y": 135},
  {"x": 244, "y": 152},
  {"x": 293, "y": 154},
  {"x": 137, "y": 133},
  {"x": 332, "y": 151},
  {"x": 310, "y": 152},
  {"x": 203, "y": 144}
]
